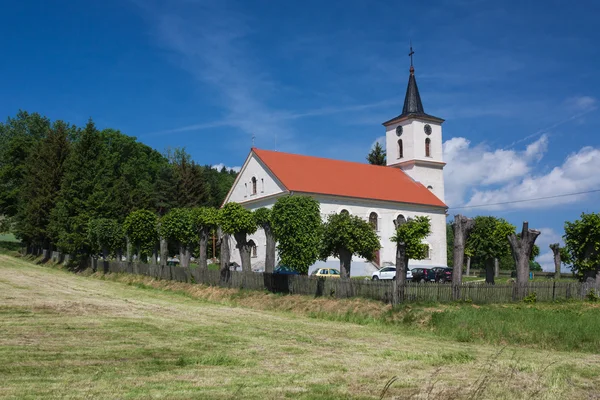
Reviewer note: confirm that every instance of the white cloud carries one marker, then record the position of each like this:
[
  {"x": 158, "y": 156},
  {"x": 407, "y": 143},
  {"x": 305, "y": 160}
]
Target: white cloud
[
  {"x": 578, "y": 173},
  {"x": 220, "y": 166},
  {"x": 581, "y": 103},
  {"x": 469, "y": 166}
]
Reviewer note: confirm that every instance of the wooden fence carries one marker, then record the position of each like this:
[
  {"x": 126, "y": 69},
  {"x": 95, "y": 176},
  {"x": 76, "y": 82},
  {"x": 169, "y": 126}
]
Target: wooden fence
[{"x": 332, "y": 287}]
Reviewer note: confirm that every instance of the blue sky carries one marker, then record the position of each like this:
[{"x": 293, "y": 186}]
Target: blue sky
[{"x": 516, "y": 81}]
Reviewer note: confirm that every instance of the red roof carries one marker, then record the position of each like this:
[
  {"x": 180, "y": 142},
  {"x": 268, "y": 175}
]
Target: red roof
[{"x": 344, "y": 178}]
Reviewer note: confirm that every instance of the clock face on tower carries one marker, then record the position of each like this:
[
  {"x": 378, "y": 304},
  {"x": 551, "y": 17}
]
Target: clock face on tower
[
  {"x": 427, "y": 129},
  {"x": 399, "y": 130}
]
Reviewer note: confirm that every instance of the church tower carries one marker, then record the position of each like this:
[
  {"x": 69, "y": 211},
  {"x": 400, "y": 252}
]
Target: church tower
[{"x": 414, "y": 140}]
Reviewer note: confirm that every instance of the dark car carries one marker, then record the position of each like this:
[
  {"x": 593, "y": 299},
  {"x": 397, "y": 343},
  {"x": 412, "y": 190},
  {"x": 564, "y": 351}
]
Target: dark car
[
  {"x": 443, "y": 274},
  {"x": 285, "y": 270},
  {"x": 423, "y": 275}
]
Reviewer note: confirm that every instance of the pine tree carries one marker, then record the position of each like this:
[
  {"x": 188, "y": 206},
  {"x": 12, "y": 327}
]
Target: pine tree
[
  {"x": 377, "y": 155},
  {"x": 42, "y": 183},
  {"x": 76, "y": 207}
]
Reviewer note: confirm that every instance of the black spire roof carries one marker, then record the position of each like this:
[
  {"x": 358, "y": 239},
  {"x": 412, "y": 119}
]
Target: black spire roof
[
  {"x": 412, "y": 101},
  {"x": 413, "y": 107}
]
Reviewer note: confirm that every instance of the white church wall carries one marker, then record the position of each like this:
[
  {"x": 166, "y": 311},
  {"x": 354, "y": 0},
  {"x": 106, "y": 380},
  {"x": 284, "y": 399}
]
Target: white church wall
[
  {"x": 266, "y": 184},
  {"x": 387, "y": 212}
]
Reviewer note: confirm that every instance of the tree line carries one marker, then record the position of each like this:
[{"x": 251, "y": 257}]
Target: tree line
[{"x": 57, "y": 178}]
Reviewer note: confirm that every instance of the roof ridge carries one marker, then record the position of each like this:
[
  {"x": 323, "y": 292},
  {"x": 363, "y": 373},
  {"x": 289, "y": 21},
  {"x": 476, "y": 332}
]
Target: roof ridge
[{"x": 254, "y": 149}]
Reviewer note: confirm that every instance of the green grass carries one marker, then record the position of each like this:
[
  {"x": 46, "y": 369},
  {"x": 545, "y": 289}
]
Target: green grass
[{"x": 117, "y": 336}]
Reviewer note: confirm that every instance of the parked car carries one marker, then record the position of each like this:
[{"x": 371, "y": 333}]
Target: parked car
[
  {"x": 390, "y": 273},
  {"x": 284, "y": 270},
  {"x": 423, "y": 275},
  {"x": 326, "y": 272},
  {"x": 443, "y": 274}
]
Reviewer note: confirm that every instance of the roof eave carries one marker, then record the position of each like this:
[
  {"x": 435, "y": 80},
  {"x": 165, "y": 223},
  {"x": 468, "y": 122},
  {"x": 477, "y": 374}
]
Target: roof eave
[
  {"x": 441, "y": 206},
  {"x": 404, "y": 117}
]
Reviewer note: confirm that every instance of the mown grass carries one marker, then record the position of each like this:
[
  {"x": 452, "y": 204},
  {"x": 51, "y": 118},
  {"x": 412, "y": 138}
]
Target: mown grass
[
  {"x": 563, "y": 326},
  {"x": 66, "y": 335}
]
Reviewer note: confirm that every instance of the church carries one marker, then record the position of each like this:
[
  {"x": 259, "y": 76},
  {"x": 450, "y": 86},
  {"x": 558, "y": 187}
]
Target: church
[{"x": 411, "y": 184}]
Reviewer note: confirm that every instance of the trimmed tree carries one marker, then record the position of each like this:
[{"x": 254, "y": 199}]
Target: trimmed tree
[
  {"x": 297, "y": 225},
  {"x": 239, "y": 222},
  {"x": 522, "y": 247},
  {"x": 140, "y": 227},
  {"x": 106, "y": 235},
  {"x": 263, "y": 219},
  {"x": 582, "y": 246},
  {"x": 461, "y": 228},
  {"x": 346, "y": 235},
  {"x": 205, "y": 219},
  {"x": 408, "y": 238},
  {"x": 555, "y": 247},
  {"x": 489, "y": 240},
  {"x": 178, "y": 225}
]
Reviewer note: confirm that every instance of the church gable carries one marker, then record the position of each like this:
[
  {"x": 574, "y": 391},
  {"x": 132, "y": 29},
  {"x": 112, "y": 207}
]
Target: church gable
[{"x": 254, "y": 182}]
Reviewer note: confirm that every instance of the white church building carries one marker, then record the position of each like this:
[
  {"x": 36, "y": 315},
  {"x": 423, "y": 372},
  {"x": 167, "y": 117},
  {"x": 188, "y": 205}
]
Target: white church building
[{"x": 411, "y": 184}]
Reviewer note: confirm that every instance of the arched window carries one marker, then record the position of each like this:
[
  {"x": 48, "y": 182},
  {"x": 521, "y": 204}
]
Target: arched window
[
  {"x": 399, "y": 220},
  {"x": 254, "y": 251},
  {"x": 400, "y": 149},
  {"x": 373, "y": 221},
  {"x": 427, "y": 147},
  {"x": 253, "y": 185},
  {"x": 430, "y": 187},
  {"x": 426, "y": 252},
  {"x": 246, "y": 189},
  {"x": 344, "y": 211},
  {"x": 262, "y": 185}
]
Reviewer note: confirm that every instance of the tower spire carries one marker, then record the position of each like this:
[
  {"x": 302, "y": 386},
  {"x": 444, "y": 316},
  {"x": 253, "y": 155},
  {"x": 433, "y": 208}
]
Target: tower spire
[{"x": 412, "y": 100}]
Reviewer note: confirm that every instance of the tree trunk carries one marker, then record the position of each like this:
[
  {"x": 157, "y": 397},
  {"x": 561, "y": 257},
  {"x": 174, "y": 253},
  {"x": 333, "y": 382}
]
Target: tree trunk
[
  {"x": 119, "y": 255},
  {"x": 154, "y": 260},
  {"x": 224, "y": 255},
  {"x": 496, "y": 268},
  {"x": 556, "y": 252},
  {"x": 184, "y": 255},
  {"x": 345, "y": 266},
  {"x": 399, "y": 283},
  {"x": 245, "y": 248},
  {"x": 128, "y": 251},
  {"x": 104, "y": 260},
  {"x": 164, "y": 252},
  {"x": 270, "y": 256},
  {"x": 461, "y": 228},
  {"x": 521, "y": 247},
  {"x": 202, "y": 257},
  {"x": 468, "y": 266},
  {"x": 489, "y": 271}
]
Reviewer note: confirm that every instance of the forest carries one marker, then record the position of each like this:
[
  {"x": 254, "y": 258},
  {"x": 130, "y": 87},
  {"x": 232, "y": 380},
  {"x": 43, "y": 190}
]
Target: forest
[{"x": 55, "y": 178}]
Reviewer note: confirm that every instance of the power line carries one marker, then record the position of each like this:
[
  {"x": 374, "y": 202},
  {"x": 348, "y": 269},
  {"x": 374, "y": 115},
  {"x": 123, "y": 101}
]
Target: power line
[{"x": 524, "y": 200}]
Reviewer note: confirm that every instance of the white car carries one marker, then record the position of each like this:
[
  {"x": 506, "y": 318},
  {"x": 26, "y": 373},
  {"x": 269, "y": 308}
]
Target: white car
[{"x": 389, "y": 273}]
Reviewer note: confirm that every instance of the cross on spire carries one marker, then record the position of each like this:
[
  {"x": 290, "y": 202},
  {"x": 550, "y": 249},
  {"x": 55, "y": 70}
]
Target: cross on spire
[
  {"x": 253, "y": 137},
  {"x": 411, "y": 54}
]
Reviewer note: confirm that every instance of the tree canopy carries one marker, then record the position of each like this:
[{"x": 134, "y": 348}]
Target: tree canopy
[
  {"x": 582, "y": 243},
  {"x": 377, "y": 155},
  {"x": 141, "y": 227},
  {"x": 345, "y": 236},
  {"x": 297, "y": 226},
  {"x": 412, "y": 234},
  {"x": 489, "y": 238},
  {"x": 105, "y": 235}
]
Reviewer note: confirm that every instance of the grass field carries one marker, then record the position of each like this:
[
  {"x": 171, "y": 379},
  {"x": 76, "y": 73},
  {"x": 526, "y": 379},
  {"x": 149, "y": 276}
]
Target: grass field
[{"x": 73, "y": 336}]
